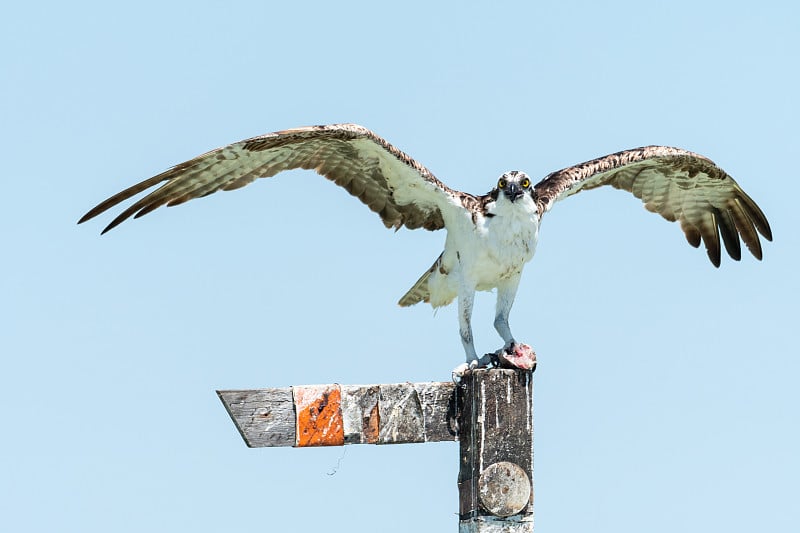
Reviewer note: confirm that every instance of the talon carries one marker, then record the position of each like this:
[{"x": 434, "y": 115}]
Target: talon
[
  {"x": 483, "y": 362},
  {"x": 463, "y": 368},
  {"x": 520, "y": 356},
  {"x": 459, "y": 372}
]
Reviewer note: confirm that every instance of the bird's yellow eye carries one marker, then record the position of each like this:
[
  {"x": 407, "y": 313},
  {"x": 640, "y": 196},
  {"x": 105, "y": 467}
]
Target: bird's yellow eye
[
  {"x": 501, "y": 184},
  {"x": 525, "y": 183}
]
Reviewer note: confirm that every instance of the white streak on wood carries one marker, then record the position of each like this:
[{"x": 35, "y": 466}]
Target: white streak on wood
[
  {"x": 481, "y": 418},
  {"x": 528, "y": 414},
  {"x": 491, "y": 525}
]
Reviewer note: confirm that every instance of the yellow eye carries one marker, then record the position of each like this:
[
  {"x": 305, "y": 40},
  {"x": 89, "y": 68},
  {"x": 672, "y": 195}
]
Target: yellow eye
[
  {"x": 501, "y": 184},
  {"x": 525, "y": 183}
]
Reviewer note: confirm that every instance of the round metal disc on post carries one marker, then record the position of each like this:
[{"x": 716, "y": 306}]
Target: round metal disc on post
[{"x": 504, "y": 489}]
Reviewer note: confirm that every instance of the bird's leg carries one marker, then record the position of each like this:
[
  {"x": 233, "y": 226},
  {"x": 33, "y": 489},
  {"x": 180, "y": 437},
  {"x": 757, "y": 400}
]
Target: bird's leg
[
  {"x": 506, "y": 292},
  {"x": 512, "y": 355},
  {"x": 465, "y": 302}
]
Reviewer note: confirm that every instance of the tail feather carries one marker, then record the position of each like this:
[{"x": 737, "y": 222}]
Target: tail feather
[{"x": 419, "y": 292}]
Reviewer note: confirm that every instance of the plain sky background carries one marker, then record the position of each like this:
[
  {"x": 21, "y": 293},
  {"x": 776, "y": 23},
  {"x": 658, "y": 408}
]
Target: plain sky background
[{"x": 666, "y": 397}]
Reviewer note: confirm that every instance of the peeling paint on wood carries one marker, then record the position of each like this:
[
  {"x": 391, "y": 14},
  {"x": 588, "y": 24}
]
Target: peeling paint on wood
[
  {"x": 318, "y": 411},
  {"x": 360, "y": 413},
  {"x": 368, "y": 414}
]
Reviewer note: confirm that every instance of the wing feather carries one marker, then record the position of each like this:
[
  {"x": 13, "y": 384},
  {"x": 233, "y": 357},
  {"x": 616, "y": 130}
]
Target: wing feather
[
  {"x": 691, "y": 232},
  {"x": 709, "y": 232},
  {"x": 730, "y": 237},
  {"x": 677, "y": 184},
  {"x": 747, "y": 229},
  {"x": 399, "y": 189}
]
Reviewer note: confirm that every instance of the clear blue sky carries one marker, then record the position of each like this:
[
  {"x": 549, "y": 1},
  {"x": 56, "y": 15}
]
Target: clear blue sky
[{"x": 667, "y": 392}]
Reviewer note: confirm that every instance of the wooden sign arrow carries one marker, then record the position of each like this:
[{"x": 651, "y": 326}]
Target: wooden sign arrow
[{"x": 490, "y": 413}]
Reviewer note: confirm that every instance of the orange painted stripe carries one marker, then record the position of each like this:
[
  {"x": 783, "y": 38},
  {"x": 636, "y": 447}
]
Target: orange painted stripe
[
  {"x": 318, "y": 415},
  {"x": 372, "y": 425}
]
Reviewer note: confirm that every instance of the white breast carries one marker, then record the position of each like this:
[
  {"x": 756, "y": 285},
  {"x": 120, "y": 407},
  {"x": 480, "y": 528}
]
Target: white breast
[{"x": 495, "y": 248}]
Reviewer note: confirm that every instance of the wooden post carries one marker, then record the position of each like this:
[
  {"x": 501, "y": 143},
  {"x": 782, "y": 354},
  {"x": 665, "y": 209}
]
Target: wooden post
[
  {"x": 495, "y": 481},
  {"x": 490, "y": 413}
]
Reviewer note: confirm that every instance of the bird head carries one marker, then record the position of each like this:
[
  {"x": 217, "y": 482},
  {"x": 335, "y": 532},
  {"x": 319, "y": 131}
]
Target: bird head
[{"x": 513, "y": 185}]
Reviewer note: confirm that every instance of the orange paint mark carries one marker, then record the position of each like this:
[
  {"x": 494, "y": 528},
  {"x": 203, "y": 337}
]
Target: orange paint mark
[
  {"x": 318, "y": 415},
  {"x": 372, "y": 425}
]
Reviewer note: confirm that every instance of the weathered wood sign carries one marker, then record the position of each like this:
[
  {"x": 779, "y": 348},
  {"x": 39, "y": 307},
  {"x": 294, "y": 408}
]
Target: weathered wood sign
[{"x": 490, "y": 413}]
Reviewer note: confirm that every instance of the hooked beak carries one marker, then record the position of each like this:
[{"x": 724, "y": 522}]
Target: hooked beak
[{"x": 512, "y": 192}]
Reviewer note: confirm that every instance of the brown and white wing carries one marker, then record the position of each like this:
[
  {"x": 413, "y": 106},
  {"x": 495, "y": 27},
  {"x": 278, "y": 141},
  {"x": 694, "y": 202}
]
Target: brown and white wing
[
  {"x": 678, "y": 185},
  {"x": 402, "y": 191}
]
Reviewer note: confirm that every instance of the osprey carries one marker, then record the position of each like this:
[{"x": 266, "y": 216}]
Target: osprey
[{"x": 490, "y": 237}]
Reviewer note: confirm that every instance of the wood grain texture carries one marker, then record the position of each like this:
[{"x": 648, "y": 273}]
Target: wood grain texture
[
  {"x": 332, "y": 415},
  {"x": 264, "y": 417},
  {"x": 439, "y": 410},
  {"x": 490, "y": 413},
  {"x": 488, "y": 524},
  {"x": 360, "y": 413},
  {"x": 401, "y": 414},
  {"x": 496, "y": 425}
]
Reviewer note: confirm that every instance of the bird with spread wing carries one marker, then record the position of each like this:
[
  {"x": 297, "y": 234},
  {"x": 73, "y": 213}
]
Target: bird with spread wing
[{"x": 490, "y": 237}]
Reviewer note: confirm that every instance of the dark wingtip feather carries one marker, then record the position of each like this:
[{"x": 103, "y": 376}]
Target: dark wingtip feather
[
  {"x": 96, "y": 210},
  {"x": 111, "y": 226},
  {"x": 122, "y": 217},
  {"x": 715, "y": 258},
  {"x": 764, "y": 229},
  {"x": 121, "y": 197},
  {"x": 710, "y": 234},
  {"x": 755, "y": 214},
  {"x": 730, "y": 236}
]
